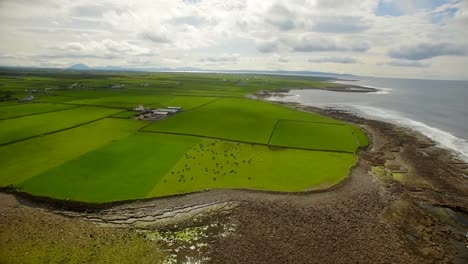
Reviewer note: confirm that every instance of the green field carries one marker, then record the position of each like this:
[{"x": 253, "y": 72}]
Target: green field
[
  {"x": 124, "y": 101},
  {"x": 25, "y": 159},
  {"x": 30, "y": 126},
  {"x": 126, "y": 169},
  {"x": 316, "y": 136},
  {"x": 83, "y": 144},
  {"x": 30, "y": 109},
  {"x": 233, "y": 118},
  {"x": 221, "y": 164},
  {"x": 188, "y": 102}
]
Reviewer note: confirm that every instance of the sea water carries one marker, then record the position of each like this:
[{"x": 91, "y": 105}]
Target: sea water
[{"x": 436, "y": 108}]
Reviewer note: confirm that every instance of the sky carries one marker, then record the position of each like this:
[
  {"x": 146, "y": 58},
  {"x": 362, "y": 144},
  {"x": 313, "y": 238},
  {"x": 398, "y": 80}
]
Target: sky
[{"x": 388, "y": 38}]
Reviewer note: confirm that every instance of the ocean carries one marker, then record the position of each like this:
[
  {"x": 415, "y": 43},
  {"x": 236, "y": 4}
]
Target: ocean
[{"x": 436, "y": 108}]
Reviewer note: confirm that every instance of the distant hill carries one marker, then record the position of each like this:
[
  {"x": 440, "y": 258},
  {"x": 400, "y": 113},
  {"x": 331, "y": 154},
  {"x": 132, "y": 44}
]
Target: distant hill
[{"x": 79, "y": 66}]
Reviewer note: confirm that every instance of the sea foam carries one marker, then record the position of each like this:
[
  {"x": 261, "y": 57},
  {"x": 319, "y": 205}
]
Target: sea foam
[{"x": 445, "y": 139}]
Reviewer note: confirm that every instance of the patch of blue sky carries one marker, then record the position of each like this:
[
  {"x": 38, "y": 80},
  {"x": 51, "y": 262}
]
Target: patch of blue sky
[
  {"x": 404, "y": 7},
  {"x": 440, "y": 17},
  {"x": 192, "y": 2}
]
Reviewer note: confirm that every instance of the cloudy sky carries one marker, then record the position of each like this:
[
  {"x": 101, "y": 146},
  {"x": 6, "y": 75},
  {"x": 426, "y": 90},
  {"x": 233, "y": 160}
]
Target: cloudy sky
[{"x": 395, "y": 38}]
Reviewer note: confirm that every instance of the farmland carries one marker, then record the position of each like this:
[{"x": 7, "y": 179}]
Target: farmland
[
  {"x": 78, "y": 139},
  {"x": 34, "y": 125},
  {"x": 232, "y": 118},
  {"x": 28, "y": 109},
  {"x": 313, "y": 135}
]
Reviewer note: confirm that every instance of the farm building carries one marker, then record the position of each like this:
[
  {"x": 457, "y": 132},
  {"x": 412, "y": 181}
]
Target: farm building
[
  {"x": 117, "y": 86},
  {"x": 28, "y": 98},
  {"x": 156, "y": 114},
  {"x": 175, "y": 107},
  {"x": 139, "y": 108},
  {"x": 75, "y": 85}
]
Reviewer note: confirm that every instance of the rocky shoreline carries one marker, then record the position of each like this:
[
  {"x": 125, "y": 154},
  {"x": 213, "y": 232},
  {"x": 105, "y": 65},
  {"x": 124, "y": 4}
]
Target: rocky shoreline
[
  {"x": 405, "y": 202},
  {"x": 333, "y": 87}
]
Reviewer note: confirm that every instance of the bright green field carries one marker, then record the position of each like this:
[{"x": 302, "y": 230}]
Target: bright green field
[
  {"x": 360, "y": 136},
  {"x": 168, "y": 164},
  {"x": 188, "y": 102},
  {"x": 126, "y": 114},
  {"x": 317, "y": 136},
  {"x": 28, "y": 126},
  {"x": 216, "y": 164},
  {"x": 25, "y": 159},
  {"x": 82, "y": 144},
  {"x": 233, "y": 118},
  {"x": 124, "y": 101},
  {"x": 126, "y": 169},
  {"x": 29, "y": 109}
]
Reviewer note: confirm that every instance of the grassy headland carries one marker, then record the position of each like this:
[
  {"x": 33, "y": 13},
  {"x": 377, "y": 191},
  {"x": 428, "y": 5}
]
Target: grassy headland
[{"x": 77, "y": 139}]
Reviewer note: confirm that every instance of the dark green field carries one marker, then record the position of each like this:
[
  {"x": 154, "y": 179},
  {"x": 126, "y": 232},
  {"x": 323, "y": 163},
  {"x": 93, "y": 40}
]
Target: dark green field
[{"x": 81, "y": 142}]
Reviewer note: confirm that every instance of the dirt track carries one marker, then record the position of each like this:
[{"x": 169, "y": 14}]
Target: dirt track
[{"x": 367, "y": 219}]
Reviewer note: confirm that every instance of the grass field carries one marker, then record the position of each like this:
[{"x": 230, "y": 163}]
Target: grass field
[
  {"x": 30, "y": 109},
  {"x": 318, "y": 136},
  {"x": 124, "y": 101},
  {"x": 126, "y": 114},
  {"x": 233, "y": 118},
  {"x": 29, "y": 126},
  {"x": 84, "y": 144},
  {"x": 220, "y": 164},
  {"x": 188, "y": 102},
  {"x": 25, "y": 159},
  {"x": 168, "y": 164},
  {"x": 126, "y": 169}
]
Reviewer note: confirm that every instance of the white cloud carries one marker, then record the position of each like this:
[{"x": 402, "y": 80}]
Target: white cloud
[
  {"x": 118, "y": 32},
  {"x": 406, "y": 63},
  {"x": 425, "y": 51},
  {"x": 227, "y": 58},
  {"x": 341, "y": 60}
]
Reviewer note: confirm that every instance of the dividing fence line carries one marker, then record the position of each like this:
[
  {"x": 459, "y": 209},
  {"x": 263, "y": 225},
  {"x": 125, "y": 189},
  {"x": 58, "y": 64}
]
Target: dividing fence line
[
  {"x": 58, "y": 110},
  {"x": 245, "y": 142},
  {"x": 57, "y": 131}
]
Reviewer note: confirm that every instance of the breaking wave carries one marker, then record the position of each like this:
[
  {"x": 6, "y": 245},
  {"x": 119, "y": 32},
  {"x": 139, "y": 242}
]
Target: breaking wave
[{"x": 444, "y": 138}]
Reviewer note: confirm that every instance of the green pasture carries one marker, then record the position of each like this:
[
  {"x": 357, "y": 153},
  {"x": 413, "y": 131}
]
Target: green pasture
[
  {"x": 83, "y": 144},
  {"x": 233, "y": 118},
  {"x": 318, "y": 136},
  {"x": 214, "y": 164},
  {"x": 124, "y": 101},
  {"x": 126, "y": 169},
  {"x": 29, "y": 126},
  {"x": 126, "y": 114},
  {"x": 29, "y": 109},
  {"x": 161, "y": 165},
  {"x": 360, "y": 136},
  {"x": 25, "y": 159},
  {"x": 188, "y": 102}
]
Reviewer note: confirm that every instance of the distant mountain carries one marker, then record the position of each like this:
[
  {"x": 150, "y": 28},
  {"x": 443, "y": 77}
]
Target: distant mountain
[{"x": 79, "y": 66}]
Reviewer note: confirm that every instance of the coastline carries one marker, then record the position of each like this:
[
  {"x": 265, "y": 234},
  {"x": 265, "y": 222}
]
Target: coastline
[
  {"x": 332, "y": 87},
  {"x": 413, "y": 209}
]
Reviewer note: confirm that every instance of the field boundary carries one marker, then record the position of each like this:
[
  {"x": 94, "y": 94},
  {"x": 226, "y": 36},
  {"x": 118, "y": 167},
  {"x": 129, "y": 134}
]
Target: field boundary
[
  {"x": 56, "y": 131},
  {"x": 58, "y": 110},
  {"x": 15, "y": 103},
  {"x": 273, "y": 131},
  {"x": 202, "y": 105},
  {"x": 312, "y": 122},
  {"x": 150, "y": 123},
  {"x": 245, "y": 142},
  {"x": 186, "y": 94},
  {"x": 102, "y": 106},
  {"x": 291, "y": 120}
]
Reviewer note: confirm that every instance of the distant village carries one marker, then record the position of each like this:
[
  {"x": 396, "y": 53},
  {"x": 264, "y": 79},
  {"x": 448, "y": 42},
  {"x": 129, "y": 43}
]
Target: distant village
[{"x": 156, "y": 114}]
